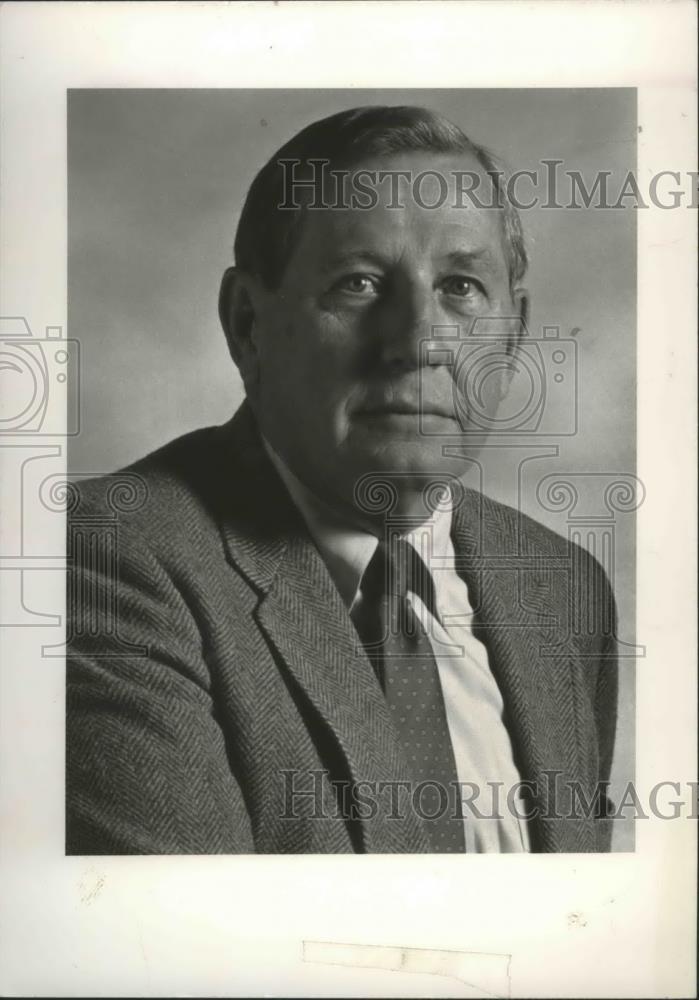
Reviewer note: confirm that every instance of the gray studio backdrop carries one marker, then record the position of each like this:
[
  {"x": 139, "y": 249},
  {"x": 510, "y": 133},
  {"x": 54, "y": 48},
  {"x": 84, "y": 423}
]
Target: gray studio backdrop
[{"x": 156, "y": 179}]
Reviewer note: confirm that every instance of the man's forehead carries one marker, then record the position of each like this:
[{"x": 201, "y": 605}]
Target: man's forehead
[
  {"x": 391, "y": 236},
  {"x": 414, "y": 198}
]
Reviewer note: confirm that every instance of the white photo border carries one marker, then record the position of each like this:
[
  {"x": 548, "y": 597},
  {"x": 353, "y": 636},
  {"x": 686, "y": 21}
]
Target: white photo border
[{"x": 570, "y": 925}]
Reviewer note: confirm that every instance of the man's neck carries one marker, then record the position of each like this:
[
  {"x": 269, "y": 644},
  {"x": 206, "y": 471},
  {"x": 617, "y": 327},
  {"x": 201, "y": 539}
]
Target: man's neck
[{"x": 347, "y": 544}]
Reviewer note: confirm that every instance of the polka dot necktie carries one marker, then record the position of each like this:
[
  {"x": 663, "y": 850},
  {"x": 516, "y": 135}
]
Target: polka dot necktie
[{"x": 401, "y": 654}]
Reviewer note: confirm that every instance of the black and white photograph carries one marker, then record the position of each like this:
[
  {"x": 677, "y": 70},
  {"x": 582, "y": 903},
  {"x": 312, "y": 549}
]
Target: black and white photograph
[
  {"x": 347, "y": 548},
  {"x": 373, "y": 608}
]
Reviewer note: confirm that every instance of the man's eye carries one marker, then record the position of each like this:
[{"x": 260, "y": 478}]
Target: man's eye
[
  {"x": 462, "y": 287},
  {"x": 358, "y": 284}
]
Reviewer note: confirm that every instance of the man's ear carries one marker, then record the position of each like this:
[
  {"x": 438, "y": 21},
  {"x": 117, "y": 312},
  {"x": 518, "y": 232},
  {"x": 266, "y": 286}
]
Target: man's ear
[
  {"x": 520, "y": 298},
  {"x": 518, "y": 330},
  {"x": 237, "y": 315}
]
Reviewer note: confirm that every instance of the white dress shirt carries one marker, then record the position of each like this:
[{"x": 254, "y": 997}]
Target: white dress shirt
[{"x": 474, "y": 707}]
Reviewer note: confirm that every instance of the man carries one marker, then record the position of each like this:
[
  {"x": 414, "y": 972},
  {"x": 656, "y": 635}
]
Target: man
[{"x": 307, "y": 635}]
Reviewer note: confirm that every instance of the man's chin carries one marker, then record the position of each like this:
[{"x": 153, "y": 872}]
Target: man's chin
[{"x": 403, "y": 455}]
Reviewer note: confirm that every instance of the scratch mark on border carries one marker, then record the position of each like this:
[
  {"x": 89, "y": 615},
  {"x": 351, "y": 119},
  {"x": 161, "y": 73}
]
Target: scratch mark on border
[{"x": 487, "y": 973}]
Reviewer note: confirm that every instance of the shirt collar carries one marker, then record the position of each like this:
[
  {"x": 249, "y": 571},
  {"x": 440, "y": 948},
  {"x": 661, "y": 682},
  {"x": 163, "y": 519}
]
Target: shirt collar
[{"x": 346, "y": 549}]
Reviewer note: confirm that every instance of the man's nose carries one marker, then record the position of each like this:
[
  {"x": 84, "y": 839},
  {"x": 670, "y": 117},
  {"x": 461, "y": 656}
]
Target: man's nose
[{"x": 407, "y": 324}]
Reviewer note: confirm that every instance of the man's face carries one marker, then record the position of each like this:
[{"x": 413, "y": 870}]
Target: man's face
[{"x": 341, "y": 376}]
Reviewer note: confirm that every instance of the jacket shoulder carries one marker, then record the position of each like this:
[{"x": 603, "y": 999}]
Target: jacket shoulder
[
  {"x": 520, "y": 533},
  {"x": 163, "y": 492},
  {"x": 576, "y": 574}
]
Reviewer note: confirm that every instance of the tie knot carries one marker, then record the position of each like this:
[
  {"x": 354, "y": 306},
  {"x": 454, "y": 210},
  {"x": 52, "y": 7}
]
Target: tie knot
[{"x": 396, "y": 568}]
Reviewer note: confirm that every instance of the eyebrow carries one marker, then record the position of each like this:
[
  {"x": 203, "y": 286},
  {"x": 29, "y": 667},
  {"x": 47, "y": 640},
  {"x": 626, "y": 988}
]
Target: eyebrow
[
  {"x": 465, "y": 259},
  {"x": 468, "y": 258},
  {"x": 352, "y": 257}
]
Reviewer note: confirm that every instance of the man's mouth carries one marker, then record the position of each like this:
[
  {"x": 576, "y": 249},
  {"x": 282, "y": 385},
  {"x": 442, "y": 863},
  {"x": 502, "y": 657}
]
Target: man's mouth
[{"x": 406, "y": 408}]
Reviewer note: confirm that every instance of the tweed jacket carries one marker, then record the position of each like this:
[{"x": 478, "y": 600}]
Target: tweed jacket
[{"x": 214, "y": 675}]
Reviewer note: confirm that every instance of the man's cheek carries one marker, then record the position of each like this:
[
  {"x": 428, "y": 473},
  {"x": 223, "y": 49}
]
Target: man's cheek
[{"x": 334, "y": 324}]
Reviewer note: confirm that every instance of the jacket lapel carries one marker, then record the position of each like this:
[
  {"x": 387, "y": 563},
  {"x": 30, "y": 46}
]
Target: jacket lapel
[
  {"x": 540, "y": 692},
  {"x": 305, "y": 620}
]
